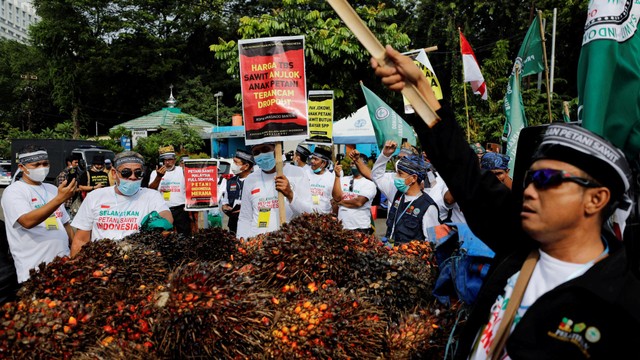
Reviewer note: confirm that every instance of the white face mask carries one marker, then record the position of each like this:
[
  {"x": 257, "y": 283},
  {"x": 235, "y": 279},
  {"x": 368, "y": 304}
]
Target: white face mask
[
  {"x": 38, "y": 174},
  {"x": 235, "y": 168}
]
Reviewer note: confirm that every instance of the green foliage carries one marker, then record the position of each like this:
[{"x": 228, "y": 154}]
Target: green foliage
[
  {"x": 329, "y": 44},
  {"x": 184, "y": 139}
]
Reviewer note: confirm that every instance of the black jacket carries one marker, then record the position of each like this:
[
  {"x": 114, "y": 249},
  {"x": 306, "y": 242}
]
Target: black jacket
[{"x": 603, "y": 304}]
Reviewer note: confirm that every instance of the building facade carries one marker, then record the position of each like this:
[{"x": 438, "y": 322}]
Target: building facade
[{"x": 15, "y": 18}]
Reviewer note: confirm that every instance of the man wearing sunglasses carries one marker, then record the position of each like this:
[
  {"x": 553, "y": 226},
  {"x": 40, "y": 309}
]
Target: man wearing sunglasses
[
  {"x": 169, "y": 181},
  {"x": 37, "y": 223},
  {"x": 563, "y": 287},
  {"x": 260, "y": 213},
  {"x": 117, "y": 211}
]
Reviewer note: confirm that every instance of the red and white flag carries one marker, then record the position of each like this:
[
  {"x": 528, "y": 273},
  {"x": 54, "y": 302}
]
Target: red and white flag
[{"x": 471, "y": 69}]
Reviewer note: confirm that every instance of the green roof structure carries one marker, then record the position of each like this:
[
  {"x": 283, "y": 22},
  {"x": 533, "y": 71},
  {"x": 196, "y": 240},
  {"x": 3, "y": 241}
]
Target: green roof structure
[{"x": 166, "y": 119}]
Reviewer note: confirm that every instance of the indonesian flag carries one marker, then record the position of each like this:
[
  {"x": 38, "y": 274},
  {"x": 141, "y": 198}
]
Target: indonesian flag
[{"x": 471, "y": 69}]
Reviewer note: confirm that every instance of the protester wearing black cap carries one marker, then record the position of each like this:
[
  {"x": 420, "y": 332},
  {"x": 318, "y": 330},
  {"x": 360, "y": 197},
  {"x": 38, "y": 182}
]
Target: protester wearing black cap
[
  {"x": 260, "y": 212},
  {"x": 563, "y": 287},
  {"x": 412, "y": 211},
  {"x": 301, "y": 158},
  {"x": 321, "y": 180},
  {"x": 94, "y": 178},
  {"x": 241, "y": 167}
]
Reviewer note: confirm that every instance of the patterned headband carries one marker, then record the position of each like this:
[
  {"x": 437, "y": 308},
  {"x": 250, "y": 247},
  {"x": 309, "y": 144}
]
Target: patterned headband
[
  {"x": 128, "y": 160},
  {"x": 31, "y": 157}
]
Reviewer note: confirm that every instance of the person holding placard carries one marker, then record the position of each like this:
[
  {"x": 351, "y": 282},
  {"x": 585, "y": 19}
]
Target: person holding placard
[{"x": 259, "y": 213}]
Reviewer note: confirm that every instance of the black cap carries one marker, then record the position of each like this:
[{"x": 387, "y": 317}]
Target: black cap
[
  {"x": 246, "y": 156},
  {"x": 98, "y": 160},
  {"x": 589, "y": 152},
  {"x": 322, "y": 152}
]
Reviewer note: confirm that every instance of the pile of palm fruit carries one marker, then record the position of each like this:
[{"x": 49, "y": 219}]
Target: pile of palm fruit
[{"x": 310, "y": 290}]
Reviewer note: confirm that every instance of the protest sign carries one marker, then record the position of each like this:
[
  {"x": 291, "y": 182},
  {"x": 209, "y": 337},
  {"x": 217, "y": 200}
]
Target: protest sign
[
  {"x": 274, "y": 92},
  {"x": 320, "y": 117},
  {"x": 201, "y": 184}
]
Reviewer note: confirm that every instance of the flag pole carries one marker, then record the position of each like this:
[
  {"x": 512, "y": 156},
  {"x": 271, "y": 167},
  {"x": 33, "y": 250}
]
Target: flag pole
[
  {"x": 546, "y": 66},
  {"x": 377, "y": 51},
  {"x": 464, "y": 86}
]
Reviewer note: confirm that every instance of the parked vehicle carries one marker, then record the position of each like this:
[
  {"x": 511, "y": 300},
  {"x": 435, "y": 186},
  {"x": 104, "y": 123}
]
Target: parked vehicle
[
  {"x": 58, "y": 150},
  {"x": 5, "y": 172}
]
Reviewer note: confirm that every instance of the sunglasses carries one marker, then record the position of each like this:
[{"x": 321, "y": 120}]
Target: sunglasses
[
  {"x": 351, "y": 185},
  {"x": 546, "y": 178},
  {"x": 126, "y": 173}
]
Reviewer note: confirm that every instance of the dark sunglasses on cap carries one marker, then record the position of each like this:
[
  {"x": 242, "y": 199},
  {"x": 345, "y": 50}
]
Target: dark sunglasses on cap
[
  {"x": 546, "y": 178},
  {"x": 126, "y": 173}
]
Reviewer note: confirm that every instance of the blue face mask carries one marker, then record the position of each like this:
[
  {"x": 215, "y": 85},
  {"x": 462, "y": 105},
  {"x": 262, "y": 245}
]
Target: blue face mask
[
  {"x": 317, "y": 171},
  {"x": 266, "y": 161},
  {"x": 355, "y": 171},
  {"x": 129, "y": 187},
  {"x": 400, "y": 184}
]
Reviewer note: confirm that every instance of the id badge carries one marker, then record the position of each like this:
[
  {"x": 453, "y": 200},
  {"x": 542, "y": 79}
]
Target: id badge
[
  {"x": 166, "y": 195},
  {"x": 316, "y": 199},
  {"x": 263, "y": 218},
  {"x": 51, "y": 223}
]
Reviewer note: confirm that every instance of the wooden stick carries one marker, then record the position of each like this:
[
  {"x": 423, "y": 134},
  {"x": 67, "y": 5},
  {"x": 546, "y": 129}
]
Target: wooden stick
[
  {"x": 279, "y": 166},
  {"x": 431, "y": 48},
  {"x": 377, "y": 51}
]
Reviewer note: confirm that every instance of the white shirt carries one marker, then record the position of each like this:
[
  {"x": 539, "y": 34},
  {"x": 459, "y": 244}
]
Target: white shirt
[
  {"x": 109, "y": 215},
  {"x": 172, "y": 186},
  {"x": 321, "y": 187},
  {"x": 548, "y": 273},
  {"x": 259, "y": 193},
  {"x": 30, "y": 247},
  {"x": 436, "y": 191},
  {"x": 356, "y": 218}
]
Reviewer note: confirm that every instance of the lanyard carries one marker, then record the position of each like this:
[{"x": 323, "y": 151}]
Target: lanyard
[
  {"x": 396, "y": 219},
  {"x": 44, "y": 199}
]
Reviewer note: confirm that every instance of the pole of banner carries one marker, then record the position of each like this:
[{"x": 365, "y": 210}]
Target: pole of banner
[
  {"x": 431, "y": 48},
  {"x": 464, "y": 87},
  {"x": 546, "y": 66},
  {"x": 377, "y": 51},
  {"x": 279, "y": 166}
]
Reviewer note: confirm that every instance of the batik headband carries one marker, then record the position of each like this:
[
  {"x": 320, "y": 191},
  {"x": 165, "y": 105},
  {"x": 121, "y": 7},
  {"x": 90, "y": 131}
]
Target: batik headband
[{"x": 32, "y": 157}]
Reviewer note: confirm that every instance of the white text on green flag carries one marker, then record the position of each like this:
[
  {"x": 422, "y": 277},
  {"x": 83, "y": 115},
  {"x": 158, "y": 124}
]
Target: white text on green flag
[{"x": 530, "y": 61}]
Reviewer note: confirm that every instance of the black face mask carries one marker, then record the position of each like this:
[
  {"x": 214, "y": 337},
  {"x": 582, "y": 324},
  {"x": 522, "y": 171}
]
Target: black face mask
[{"x": 108, "y": 167}]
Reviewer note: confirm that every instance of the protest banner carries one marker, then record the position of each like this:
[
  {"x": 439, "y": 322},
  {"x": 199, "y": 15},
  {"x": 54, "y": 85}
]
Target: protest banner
[
  {"x": 201, "y": 184},
  {"x": 421, "y": 59},
  {"x": 320, "y": 117},
  {"x": 274, "y": 92}
]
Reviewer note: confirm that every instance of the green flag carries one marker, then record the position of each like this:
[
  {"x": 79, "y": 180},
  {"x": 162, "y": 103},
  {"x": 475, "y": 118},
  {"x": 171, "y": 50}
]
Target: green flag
[
  {"x": 387, "y": 124},
  {"x": 609, "y": 74},
  {"x": 530, "y": 61}
]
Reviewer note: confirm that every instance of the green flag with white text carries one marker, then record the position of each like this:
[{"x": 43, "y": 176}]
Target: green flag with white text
[
  {"x": 387, "y": 124},
  {"x": 530, "y": 61},
  {"x": 609, "y": 74}
]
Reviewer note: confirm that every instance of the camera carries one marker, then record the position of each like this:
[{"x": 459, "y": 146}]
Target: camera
[{"x": 72, "y": 174}]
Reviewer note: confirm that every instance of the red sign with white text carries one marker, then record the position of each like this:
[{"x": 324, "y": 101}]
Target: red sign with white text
[
  {"x": 274, "y": 91},
  {"x": 201, "y": 184}
]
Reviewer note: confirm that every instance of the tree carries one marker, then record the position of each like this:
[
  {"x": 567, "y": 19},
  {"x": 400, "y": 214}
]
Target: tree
[{"x": 329, "y": 44}]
